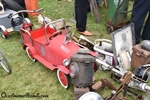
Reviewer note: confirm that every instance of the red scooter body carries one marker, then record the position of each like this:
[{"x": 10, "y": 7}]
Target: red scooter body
[{"x": 50, "y": 47}]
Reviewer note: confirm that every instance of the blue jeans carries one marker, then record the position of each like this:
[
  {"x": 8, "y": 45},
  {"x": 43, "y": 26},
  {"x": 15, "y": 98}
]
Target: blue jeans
[
  {"x": 97, "y": 1},
  {"x": 141, "y": 9},
  {"x": 81, "y": 10}
]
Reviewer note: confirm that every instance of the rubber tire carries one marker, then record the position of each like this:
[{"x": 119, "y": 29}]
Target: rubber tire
[
  {"x": 64, "y": 78},
  {"x": 15, "y": 6},
  {"x": 29, "y": 53},
  {"x": 5, "y": 66}
]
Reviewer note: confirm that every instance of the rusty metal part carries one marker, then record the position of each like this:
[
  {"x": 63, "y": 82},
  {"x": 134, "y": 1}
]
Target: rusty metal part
[
  {"x": 78, "y": 92},
  {"x": 83, "y": 65},
  {"x": 108, "y": 83},
  {"x": 125, "y": 79},
  {"x": 101, "y": 84},
  {"x": 139, "y": 56},
  {"x": 113, "y": 27},
  {"x": 97, "y": 86},
  {"x": 83, "y": 42}
]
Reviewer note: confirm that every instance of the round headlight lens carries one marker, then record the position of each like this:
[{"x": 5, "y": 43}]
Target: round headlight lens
[
  {"x": 66, "y": 62},
  {"x": 73, "y": 69}
]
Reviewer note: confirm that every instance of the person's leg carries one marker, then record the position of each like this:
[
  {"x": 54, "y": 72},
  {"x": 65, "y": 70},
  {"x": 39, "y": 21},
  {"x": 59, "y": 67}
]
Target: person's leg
[
  {"x": 81, "y": 10},
  {"x": 146, "y": 30},
  {"x": 76, "y": 9},
  {"x": 81, "y": 14},
  {"x": 97, "y": 1},
  {"x": 138, "y": 15}
]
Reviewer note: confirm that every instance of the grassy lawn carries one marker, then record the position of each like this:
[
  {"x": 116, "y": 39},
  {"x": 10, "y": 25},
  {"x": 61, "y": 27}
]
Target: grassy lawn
[{"x": 33, "y": 77}]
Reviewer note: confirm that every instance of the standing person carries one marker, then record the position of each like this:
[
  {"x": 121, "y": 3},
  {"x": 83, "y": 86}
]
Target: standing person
[
  {"x": 81, "y": 10},
  {"x": 141, "y": 9}
]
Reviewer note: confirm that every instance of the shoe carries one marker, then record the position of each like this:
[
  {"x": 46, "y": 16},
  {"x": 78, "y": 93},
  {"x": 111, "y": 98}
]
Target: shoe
[{"x": 86, "y": 33}]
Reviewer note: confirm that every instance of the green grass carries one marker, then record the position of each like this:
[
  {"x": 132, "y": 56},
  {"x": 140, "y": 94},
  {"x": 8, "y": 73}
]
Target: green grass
[{"x": 33, "y": 77}]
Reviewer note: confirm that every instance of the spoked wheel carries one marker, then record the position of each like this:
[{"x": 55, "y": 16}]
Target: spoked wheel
[
  {"x": 62, "y": 78},
  {"x": 30, "y": 55},
  {"x": 3, "y": 32},
  {"x": 4, "y": 63}
]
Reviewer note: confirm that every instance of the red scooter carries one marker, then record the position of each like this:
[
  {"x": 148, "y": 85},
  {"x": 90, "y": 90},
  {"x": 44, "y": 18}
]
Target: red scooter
[{"x": 52, "y": 47}]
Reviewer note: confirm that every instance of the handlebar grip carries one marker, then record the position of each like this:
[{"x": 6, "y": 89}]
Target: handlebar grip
[{"x": 38, "y": 10}]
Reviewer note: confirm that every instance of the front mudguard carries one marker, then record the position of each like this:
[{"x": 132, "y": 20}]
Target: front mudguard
[
  {"x": 63, "y": 69},
  {"x": 31, "y": 48}
]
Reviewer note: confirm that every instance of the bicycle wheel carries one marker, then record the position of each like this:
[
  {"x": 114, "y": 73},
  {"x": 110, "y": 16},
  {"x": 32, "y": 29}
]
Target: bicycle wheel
[{"x": 4, "y": 63}]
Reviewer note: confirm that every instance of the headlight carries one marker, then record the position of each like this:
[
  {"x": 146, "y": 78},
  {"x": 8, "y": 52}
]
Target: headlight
[
  {"x": 66, "y": 62},
  {"x": 74, "y": 69},
  {"x": 141, "y": 72}
]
